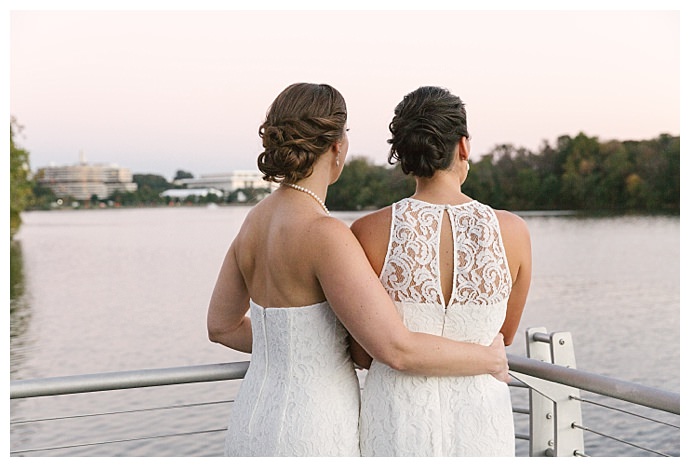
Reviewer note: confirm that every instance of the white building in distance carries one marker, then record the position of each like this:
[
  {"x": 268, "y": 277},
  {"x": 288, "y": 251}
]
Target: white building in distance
[
  {"x": 83, "y": 181},
  {"x": 229, "y": 182},
  {"x": 184, "y": 193}
]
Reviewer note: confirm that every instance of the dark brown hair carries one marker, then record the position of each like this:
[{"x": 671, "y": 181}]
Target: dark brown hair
[
  {"x": 301, "y": 124},
  {"x": 427, "y": 125}
]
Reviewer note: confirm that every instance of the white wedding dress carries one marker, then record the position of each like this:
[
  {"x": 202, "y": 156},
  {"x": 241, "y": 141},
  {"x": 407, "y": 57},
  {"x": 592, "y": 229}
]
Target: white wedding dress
[
  {"x": 405, "y": 415},
  {"x": 300, "y": 396}
]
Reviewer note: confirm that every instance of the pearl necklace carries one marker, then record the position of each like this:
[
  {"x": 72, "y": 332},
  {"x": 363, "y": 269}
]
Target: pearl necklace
[{"x": 310, "y": 193}]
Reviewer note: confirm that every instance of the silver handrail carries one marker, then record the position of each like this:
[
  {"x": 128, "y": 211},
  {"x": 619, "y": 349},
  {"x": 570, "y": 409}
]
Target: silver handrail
[
  {"x": 126, "y": 379},
  {"x": 599, "y": 384}
]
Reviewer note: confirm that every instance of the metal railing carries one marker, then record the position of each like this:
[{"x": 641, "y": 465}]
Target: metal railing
[
  {"x": 555, "y": 402},
  {"x": 548, "y": 374}
]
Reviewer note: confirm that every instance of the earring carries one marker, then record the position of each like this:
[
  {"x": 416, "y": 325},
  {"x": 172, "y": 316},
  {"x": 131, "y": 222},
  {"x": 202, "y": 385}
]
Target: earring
[
  {"x": 468, "y": 165},
  {"x": 337, "y": 159}
]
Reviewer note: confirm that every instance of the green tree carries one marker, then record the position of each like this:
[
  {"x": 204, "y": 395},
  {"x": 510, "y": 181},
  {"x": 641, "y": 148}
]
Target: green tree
[
  {"x": 42, "y": 197},
  {"x": 182, "y": 174},
  {"x": 149, "y": 188},
  {"x": 581, "y": 173},
  {"x": 547, "y": 167},
  {"x": 482, "y": 182},
  {"x": 668, "y": 182},
  {"x": 20, "y": 185},
  {"x": 616, "y": 167},
  {"x": 363, "y": 185},
  {"x": 657, "y": 163}
]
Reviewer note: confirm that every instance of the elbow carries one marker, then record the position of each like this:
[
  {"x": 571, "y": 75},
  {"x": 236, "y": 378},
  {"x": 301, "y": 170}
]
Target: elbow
[
  {"x": 508, "y": 336},
  {"x": 213, "y": 337},
  {"x": 215, "y": 334},
  {"x": 399, "y": 363},
  {"x": 397, "y": 357},
  {"x": 396, "y": 362}
]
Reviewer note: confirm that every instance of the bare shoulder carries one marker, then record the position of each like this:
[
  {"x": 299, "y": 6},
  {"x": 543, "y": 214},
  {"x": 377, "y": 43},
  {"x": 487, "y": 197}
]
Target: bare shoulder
[
  {"x": 516, "y": 237},
  {"x": 373, "y": 223},
  {"x": 254, "y": 221},
  {"x": 373, "y": 232},
  {"x": 327, "y": 231},
  {"x": 329, "y": 241},
  {"x": 511, "y": 223}
]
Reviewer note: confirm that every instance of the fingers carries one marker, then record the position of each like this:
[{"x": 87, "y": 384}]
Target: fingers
[
  {"x": 502, "y": 373},
  {"x": 498, "y": 341},
  {"x": 502, "y": 376}
]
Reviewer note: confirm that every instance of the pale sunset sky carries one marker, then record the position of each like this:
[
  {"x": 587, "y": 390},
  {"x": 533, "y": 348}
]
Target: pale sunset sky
[{"x": 187, "y": 87}]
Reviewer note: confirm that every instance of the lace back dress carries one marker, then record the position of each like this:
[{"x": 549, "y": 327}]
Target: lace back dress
[
  {"x": 404, "y": 415},
  {"x": 300, "y": 396}
]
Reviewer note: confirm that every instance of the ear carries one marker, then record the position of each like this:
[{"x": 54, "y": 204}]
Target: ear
[
  {"x": 336, "y": 147},
  {"x": 464, "y": 148}
]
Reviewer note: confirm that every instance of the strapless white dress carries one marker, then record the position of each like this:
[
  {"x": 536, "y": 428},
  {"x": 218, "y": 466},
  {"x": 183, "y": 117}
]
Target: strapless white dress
[
  {"x": 300, "y": 396},
  {"x": 404, "y": 415}
]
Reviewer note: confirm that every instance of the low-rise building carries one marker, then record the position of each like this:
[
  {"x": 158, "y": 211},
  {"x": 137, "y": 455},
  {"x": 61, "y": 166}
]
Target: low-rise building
[
  {"x": 185, "y": 193},
  {"x": 229, "y": 182},
  {"x": 83, "y": 181}
]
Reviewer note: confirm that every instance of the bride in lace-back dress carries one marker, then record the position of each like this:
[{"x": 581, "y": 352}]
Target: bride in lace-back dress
[
  {"x": 405, "y": 415},
  {"x": 443, "y": 259}
]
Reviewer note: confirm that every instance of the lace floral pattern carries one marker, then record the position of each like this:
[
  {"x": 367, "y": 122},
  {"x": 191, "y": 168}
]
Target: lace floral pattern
[
  {"x": 300, "y": 396},
  {"x": 411, "y": 272},
  {"x": 404, "y": 415}
]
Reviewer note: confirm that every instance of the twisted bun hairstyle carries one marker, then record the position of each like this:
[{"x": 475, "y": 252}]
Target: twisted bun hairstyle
[
  {"x": 301, "y": 124},
  {"x": 426, "y": 126}
]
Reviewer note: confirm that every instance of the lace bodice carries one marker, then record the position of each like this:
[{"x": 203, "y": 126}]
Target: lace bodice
[{"x": 411, "y": 269}]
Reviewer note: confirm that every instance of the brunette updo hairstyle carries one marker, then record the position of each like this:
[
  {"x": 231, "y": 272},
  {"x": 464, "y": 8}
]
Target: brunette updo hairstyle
[
  {"x": 301, "y": 124},
  {"x": 426, "y": 126}
]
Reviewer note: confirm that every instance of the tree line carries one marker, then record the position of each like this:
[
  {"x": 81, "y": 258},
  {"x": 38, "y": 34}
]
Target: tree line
[{"x": 577, "y": 173}]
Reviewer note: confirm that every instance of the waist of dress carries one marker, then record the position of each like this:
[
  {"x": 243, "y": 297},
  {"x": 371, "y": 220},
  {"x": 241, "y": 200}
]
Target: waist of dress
[
  {"x": 471, "y": 323},
  {"x": 307, "y": 376}
]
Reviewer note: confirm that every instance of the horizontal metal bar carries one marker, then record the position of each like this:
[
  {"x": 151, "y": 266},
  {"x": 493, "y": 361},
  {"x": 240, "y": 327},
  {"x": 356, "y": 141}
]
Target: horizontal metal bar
[
  {"x": 599, "y": 384},
  {"x": 627, "y": 412},
  {"x": 637, "y": 446},
  {"x": 631, "y": 392},
  {"x": 541, "y": 337},
  {"x": 513, "y": 383},
  {"x": 115, "y": 441},
  {"x": 126, "y": 379},
  {"x": 120, "y": 412}
]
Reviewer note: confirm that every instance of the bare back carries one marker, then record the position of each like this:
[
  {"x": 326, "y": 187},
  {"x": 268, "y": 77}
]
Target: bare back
[{"x": 274, "y": 253}]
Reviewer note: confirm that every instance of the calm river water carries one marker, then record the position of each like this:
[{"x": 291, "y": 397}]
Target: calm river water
[{"x": 112, "y": 290}]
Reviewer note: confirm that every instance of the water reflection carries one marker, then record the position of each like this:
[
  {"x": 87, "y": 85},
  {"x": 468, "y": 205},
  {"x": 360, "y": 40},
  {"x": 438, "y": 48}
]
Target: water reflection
[{"x": 20, "y": 316}]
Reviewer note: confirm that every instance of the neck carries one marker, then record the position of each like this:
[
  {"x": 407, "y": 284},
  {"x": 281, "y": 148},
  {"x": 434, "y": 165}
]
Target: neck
[
  {"x": 314, "y": 184},
  {"x": 444, "y": 187},
  {"x": 321, "y": 176}
]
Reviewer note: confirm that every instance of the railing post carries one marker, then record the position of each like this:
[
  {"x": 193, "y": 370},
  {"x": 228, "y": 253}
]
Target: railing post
[
  {"x": 569, "y": 440},
  {"x": 554, "y": 408},
  {"x": 541, "y": 408}
]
